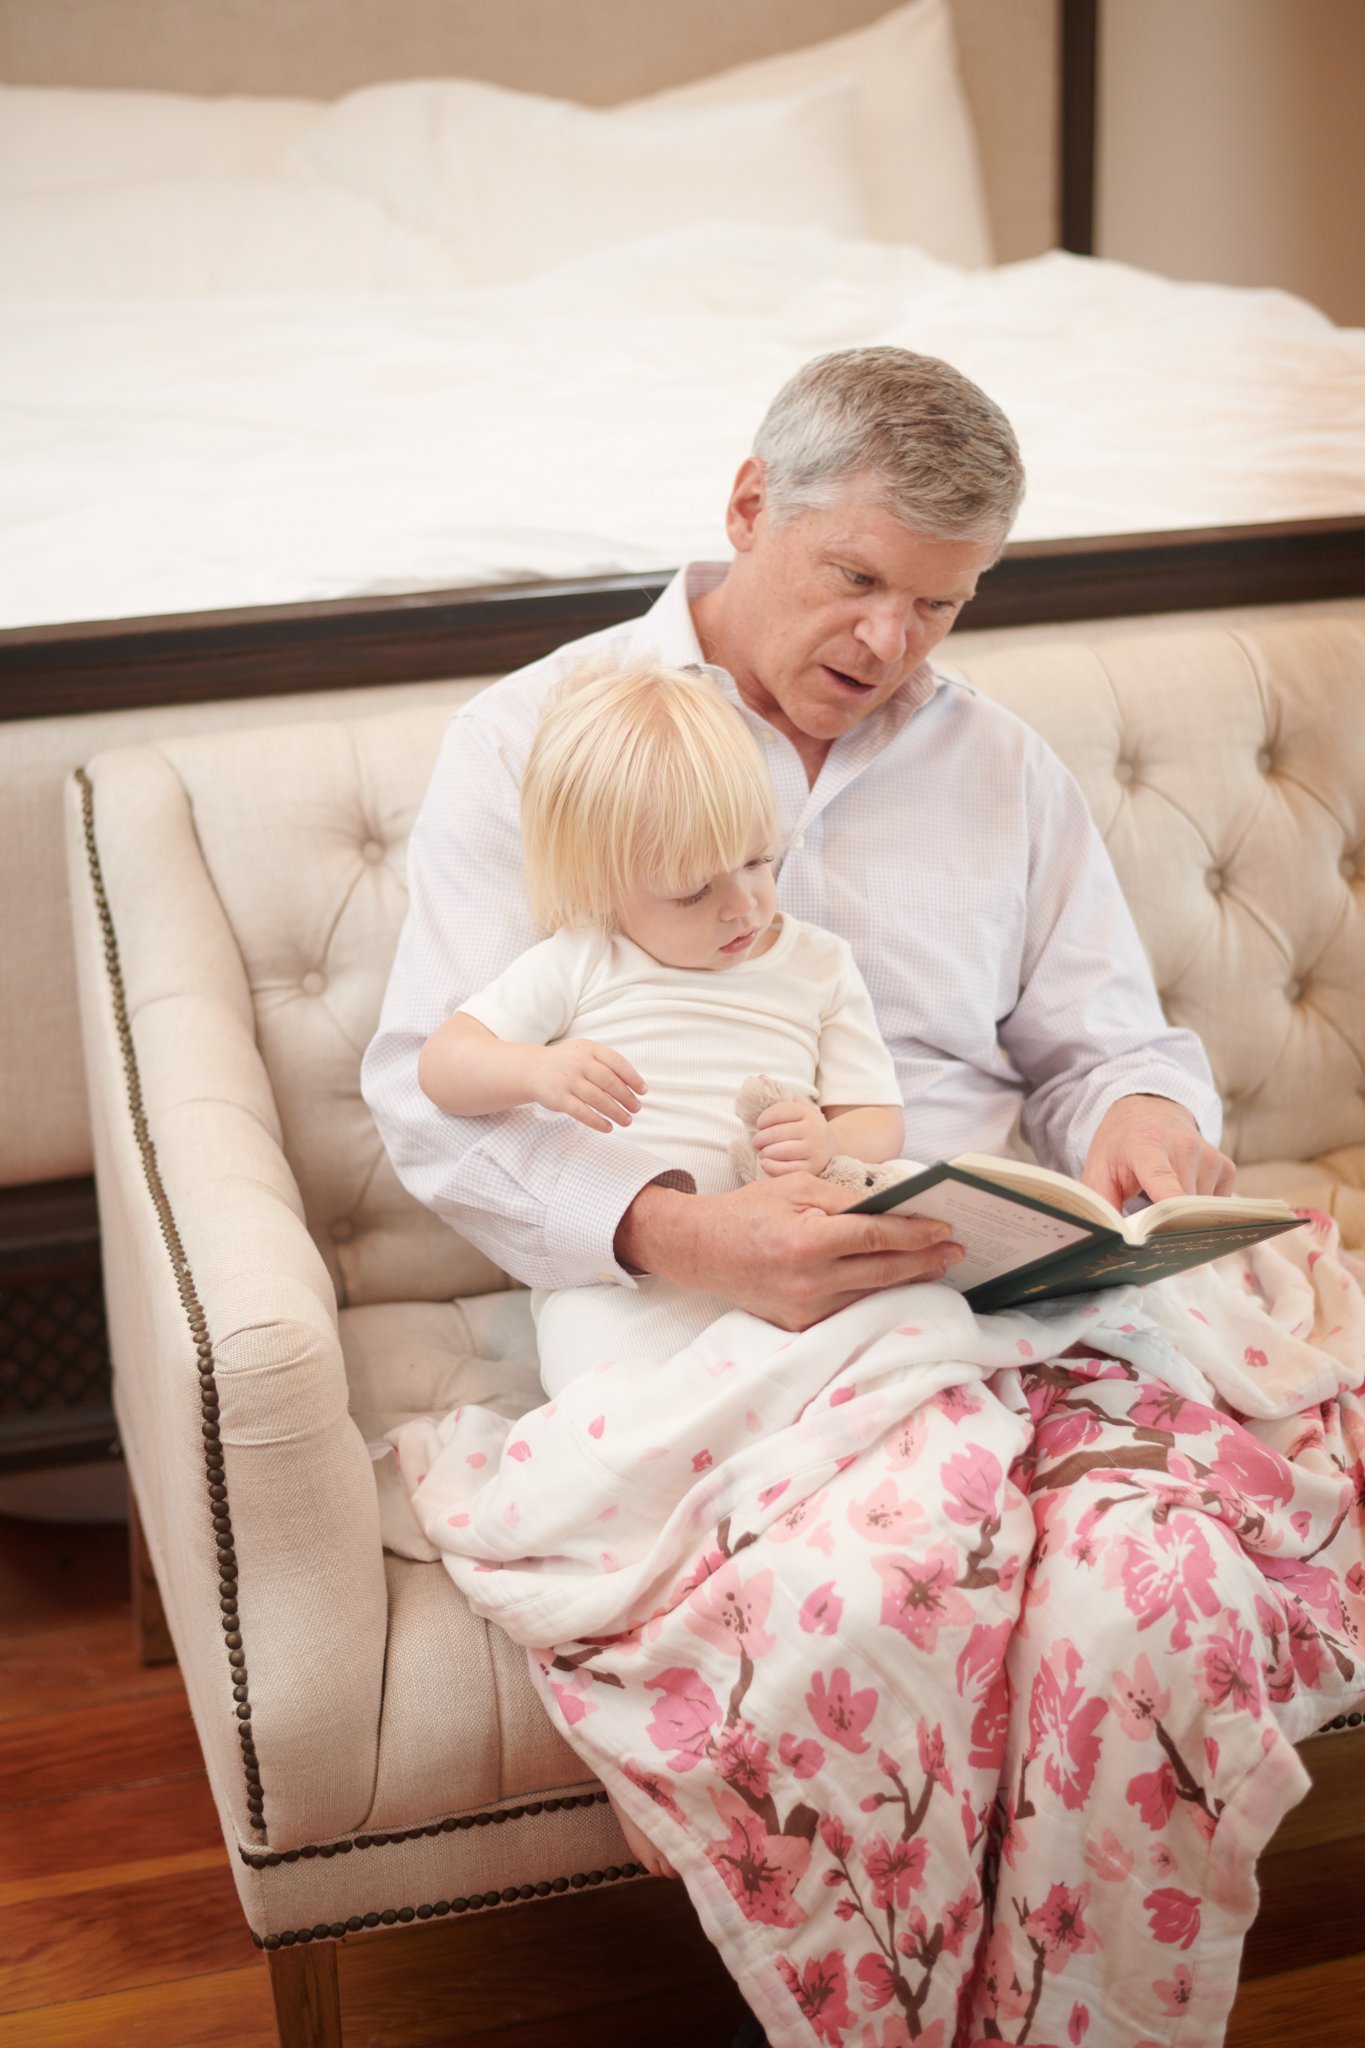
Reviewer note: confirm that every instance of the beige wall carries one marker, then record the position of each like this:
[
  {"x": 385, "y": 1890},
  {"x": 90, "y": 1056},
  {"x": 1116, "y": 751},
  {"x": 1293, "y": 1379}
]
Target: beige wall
[{"x": 1233, "y": 143}]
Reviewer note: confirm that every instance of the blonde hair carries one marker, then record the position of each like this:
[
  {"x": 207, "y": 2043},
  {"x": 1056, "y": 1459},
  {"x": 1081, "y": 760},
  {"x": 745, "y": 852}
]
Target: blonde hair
[{"x": 639, "y": 776}]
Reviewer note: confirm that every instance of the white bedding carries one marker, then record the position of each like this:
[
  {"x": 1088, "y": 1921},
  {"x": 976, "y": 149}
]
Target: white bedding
[{"x": 204, "y": 451}]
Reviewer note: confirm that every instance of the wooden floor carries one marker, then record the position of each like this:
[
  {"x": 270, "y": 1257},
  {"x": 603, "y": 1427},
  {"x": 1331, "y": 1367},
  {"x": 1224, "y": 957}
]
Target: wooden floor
[{"x": 119, "y": 1923}]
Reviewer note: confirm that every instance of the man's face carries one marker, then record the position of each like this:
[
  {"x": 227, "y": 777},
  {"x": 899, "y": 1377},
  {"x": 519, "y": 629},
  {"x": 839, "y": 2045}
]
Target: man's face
[{"x": 831, "y": 610}]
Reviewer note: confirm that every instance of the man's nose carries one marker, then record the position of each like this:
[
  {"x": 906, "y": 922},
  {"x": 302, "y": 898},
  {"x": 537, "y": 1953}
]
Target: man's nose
[{"x": 882, "y": 631}]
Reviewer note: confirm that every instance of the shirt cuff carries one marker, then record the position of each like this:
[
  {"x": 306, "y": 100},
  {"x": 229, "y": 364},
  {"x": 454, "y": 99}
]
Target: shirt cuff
[{"x": 590, "y": 1198}]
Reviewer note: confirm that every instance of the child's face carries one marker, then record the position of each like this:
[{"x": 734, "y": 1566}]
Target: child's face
[{"x": 728, "y": 919}]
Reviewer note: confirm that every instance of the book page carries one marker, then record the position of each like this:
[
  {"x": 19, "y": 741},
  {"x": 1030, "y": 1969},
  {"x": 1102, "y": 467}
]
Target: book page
[
  {"x": 1045, "y": 1186},
  {"x": 995, "y": 1233},
  {"x": 1205, "y": 1212}
]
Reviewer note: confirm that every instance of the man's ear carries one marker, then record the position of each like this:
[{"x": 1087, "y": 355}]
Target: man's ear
[{"x": 748, "y": 501}]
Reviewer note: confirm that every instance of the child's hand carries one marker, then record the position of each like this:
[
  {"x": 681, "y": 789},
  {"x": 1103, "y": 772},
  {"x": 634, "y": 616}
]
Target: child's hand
[
  {"x": 587, "y": 1081},
  {"x": 792, "y": 1137}
]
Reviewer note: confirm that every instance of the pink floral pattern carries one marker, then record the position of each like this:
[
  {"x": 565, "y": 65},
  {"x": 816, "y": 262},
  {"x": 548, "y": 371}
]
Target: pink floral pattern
[{"x": 939, "y": 1711}]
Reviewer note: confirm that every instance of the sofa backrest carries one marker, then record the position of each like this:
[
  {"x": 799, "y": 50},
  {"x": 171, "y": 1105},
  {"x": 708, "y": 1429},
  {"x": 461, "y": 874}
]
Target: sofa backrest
[{"x": 1226, "y": 770}]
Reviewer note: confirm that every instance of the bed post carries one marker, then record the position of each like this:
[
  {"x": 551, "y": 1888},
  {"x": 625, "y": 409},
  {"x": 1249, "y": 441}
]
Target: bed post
[{"x": 1079, "y": 50}]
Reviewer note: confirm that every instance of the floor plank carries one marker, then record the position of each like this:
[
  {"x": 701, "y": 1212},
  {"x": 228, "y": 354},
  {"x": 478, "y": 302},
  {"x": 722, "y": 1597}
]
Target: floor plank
[
  {"x": 111, "y": 1827},
  {"x": 75, "y": 1663},
  {"x": 126, "y": 1742},
  {"x": 120, "y": 1936},
  {"x": 222, "y": 2009},
  {"x": 1321, "y": 2005}
]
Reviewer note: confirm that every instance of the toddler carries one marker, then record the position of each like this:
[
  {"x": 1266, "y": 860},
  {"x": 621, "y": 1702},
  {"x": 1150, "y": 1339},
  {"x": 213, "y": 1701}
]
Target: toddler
[{"x": 671, "y": 977}]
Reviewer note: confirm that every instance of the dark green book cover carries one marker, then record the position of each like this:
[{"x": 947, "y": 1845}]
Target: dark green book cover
[{"x": 1037, "y": 1269}]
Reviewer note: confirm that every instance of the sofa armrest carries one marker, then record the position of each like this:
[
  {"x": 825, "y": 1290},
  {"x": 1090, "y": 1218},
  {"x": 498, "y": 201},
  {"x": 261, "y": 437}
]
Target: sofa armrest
[{"x": 253, "y": 1483}]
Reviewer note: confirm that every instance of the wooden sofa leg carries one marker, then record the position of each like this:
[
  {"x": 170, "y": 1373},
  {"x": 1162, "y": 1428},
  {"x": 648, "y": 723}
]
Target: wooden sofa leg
[
  {"x": 151, "y": 1637},
  {"x": 307, "y": 1995}
]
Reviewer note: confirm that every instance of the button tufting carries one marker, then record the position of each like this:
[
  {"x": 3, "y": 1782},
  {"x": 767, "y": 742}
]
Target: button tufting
[
  {"x": 314, "y": 982},
  {"x": 1123, "y": 771},
  {"x": 1214, "y": 879},
  {"x": 1265, "y": 760},
  {"x": 1294, "y": 990},
  {"x": 373, "y": 852},
  {"x": 1350, "y": 868},
  {"x": 343, "y": 1230}
]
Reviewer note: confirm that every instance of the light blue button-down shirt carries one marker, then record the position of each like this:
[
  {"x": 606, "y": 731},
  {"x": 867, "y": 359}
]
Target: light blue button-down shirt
[{"x": 942, "y": 839}]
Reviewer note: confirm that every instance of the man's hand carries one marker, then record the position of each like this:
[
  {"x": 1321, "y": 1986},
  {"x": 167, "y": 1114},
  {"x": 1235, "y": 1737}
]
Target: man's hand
[
  {"x": 792, "y": 1137},
  {"x": 1146, "y": 1145},
  {"x": 780, "y": 1248},
  {"x": 587, "y": 1081}
]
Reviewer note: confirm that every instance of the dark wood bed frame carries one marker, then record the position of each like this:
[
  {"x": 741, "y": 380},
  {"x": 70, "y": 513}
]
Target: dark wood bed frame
[{"x": 49, "y": 1235}]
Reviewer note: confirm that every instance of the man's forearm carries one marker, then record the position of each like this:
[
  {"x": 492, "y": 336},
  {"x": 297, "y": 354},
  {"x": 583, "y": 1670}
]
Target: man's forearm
[{"x": 655, "y": 1235}]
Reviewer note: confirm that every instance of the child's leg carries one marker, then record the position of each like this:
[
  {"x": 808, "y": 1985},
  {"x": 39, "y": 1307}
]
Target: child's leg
[{"x": 641, "y": 1848}]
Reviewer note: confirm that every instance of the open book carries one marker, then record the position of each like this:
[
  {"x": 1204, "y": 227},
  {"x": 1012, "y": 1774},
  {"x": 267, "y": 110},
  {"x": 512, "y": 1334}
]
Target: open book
[{"x": 1029, "y": 1233}]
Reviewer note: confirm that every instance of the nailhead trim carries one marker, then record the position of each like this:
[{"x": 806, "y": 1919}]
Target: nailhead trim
[
  {"x": 269, "y": 1859},
  {"x": 1341, "y": 1723},
  {"x": 477, "y": 1902},
  {"x": 214, "y": 1471}
]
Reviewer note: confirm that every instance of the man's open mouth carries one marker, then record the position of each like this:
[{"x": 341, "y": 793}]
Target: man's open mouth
[{"x": 848, "y": 682}]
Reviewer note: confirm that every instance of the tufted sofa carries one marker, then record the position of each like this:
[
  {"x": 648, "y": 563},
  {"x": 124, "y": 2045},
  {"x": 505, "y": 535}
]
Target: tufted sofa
[{"x": 377, "y": 1754}]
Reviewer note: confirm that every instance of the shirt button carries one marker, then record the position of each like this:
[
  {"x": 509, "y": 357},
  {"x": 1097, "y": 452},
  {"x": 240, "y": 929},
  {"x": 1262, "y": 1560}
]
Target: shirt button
[
  {"x": 313, "y": 982},
  {"x": 769, "y": 736},
  {"x": 799, "y": 840},
  {"x": 607, "y": 1279}
]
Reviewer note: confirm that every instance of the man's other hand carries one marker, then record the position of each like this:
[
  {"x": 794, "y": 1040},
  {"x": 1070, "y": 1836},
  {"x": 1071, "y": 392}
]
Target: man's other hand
[
  {"x": 780, "y": 1248},
  {"x": 1146, "y": 1145}
]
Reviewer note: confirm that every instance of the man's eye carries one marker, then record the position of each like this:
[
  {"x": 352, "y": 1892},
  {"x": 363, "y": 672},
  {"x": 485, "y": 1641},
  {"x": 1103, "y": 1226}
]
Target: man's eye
[{"x": 857, "y": 578}]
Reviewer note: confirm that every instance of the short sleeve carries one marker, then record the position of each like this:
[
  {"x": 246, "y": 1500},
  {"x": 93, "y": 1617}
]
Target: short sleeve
[
  {"x": 535, "y": 1000},
  {"x": 853, "y": 1065}
]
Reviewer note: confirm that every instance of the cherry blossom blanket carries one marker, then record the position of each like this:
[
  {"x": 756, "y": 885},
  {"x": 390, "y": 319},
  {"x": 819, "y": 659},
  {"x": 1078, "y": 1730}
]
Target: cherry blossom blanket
[{"x": 955, "y": 1662}]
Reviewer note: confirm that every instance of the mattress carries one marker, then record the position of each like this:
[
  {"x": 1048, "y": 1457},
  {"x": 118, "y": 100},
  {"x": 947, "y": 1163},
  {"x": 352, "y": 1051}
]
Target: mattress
[{"x": 179, "y": 454}]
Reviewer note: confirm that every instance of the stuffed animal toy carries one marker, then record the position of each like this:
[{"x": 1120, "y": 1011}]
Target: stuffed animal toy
[{"x": 759, "y": 1093}]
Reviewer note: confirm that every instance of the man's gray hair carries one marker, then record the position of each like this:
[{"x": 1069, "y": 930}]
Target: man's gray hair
[{"x": 943, "y": 453}]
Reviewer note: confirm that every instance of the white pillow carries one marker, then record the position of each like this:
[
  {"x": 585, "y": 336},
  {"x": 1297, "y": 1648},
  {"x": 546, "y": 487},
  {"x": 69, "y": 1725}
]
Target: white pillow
[
  {"x": 921, "y": 170},
  {"x": 55, "y": 138},
  {"x": 188, "y": 238},
  {"x": 515, "y": 183}
]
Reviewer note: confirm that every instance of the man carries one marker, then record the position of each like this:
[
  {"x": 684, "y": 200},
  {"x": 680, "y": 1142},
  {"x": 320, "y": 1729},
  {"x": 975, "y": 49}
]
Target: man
[{"x": 933, "y": 831}]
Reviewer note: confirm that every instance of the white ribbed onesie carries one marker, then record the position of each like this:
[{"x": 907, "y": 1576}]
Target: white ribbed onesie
[{"x": 800, "y": 1014}]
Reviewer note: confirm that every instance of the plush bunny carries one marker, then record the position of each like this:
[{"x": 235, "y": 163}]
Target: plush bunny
[{"x": 758, "y": 1093}]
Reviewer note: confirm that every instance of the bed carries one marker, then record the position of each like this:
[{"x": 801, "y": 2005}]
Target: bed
[{"x": 353, "y": 348}]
